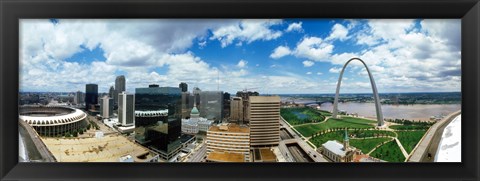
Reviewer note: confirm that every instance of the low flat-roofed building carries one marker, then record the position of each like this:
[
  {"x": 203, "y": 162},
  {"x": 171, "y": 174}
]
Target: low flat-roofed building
[
  {"x": 229, "y": 137},
  {"x": 225, "y": 157},
  {"x": 264, "y": 155},
  {"x": 109, "y": 148}
]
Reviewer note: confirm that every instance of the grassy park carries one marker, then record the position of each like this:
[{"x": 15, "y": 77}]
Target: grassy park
[
  {"x": 296, "y": 116},
  {"x": 389, "y": 152},
  {"x": 362, "y": 132},
  {"x": 346, "y": 122},
  {"x": 367, "y": 145},
  {"x": 410, "y": 139}
]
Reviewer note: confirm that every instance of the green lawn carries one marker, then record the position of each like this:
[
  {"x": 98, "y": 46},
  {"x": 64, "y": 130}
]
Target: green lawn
[
  {"x": 296, "y": 116},
  {"x": 325, "y": 113},
  {"x": 345, "y": 122},
  {"x": 335, "y": 135},
  {"x": 371, "y": 133},
  {"x": 410, "y": 139},
  {"x": 409, "y": 127},
  {"x": 389, "y": 152},
  {"x": 366, "y": 145}
]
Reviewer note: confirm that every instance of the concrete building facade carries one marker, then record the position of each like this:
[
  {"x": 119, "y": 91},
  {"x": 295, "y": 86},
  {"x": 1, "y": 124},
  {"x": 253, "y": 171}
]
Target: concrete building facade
[
  {"x": 227, "y": 139},
  {"x": 264, "y": 114},
  {"x": 126, "y": 109},
  {"x": 211, "y": 105},
  {"x": 79, "y": 98},
  {"x": 106, "y": 107},
  {"x": 236, "y": 109},
  {"x": 119, "y": 87}
]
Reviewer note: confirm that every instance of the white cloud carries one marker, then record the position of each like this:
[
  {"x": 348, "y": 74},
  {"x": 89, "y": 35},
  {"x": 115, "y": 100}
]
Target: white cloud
[
  {"x": 242, "y": 63},
  {"x": 335, "y": 70},
  {"x": 407, "y": 56},
  {"x": 309, "y": 73},
  {"x": 313, "y": 48},
  {"x": 246, "y": 31},
  {"x": 308, "y": 63},
  {"x": 202, "y": 44},
  {"x": 294, "y": 27},
  {"x": 280, "y": 52},
  {"x": 131, "y": 49},
  {"x": 339, "y": 32},
  {"x": 402, "y": 54}
]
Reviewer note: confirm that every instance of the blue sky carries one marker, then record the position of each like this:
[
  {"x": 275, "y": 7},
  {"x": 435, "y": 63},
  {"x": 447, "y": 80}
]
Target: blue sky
[{"x": 270, "y": 56}]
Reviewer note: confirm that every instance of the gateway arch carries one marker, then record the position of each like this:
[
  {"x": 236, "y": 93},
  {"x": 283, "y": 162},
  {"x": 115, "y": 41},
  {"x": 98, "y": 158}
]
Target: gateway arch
[{"x": 378, "y": 107}]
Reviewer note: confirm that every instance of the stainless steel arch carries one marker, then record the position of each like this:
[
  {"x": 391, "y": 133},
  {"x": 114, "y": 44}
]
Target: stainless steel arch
[{"x": 378, "y": 107}]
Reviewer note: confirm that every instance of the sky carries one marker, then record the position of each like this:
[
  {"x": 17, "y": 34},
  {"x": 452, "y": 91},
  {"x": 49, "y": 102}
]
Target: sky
[{"x": 274, "y": 56}]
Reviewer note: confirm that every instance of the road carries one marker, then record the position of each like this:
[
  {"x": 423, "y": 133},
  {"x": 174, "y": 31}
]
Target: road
[
  {"x": 199, "y": 155},
  {"x": 298, "y": 154}
]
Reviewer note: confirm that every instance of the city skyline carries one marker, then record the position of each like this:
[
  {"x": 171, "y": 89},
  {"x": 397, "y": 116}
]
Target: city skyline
[{"x": 279, "y": 56}]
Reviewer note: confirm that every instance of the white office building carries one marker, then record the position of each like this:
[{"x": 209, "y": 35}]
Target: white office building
[
  {"x": 126, "y": 109},
  {"x": 106, "y": 107}
]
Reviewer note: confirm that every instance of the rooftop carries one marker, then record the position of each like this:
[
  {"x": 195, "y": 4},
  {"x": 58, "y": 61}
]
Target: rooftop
[
  {"x": 265, "y": 154},
  {"x": 230, "y": 127},
  {"x": 226, "y": 157},
  {"x": 335, "y": 147},
  {"x": 274, "y": 99},
  {"x": 107, "y": 149}
]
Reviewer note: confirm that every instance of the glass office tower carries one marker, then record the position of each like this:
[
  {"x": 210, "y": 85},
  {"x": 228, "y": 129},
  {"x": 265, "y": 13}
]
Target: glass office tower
[{"x": 158, "y": 119}]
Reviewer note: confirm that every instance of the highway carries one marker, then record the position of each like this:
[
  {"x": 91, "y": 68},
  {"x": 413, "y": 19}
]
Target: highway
[
  {"x": 198, "y": 156},
  {"x": 298, "y": 154},
  {"x": 284, "y": 135}
]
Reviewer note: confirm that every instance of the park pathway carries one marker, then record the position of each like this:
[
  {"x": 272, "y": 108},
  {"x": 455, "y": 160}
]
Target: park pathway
[
  {"x": 379, "y": 145},
  {"x": 401, "y": 148}
]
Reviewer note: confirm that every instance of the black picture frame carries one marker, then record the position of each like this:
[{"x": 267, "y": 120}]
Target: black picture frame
[{"x": 13, "y": 10}]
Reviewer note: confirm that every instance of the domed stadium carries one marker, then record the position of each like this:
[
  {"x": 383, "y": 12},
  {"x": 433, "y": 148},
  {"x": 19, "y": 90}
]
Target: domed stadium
[{"x": 53, "y": 120}]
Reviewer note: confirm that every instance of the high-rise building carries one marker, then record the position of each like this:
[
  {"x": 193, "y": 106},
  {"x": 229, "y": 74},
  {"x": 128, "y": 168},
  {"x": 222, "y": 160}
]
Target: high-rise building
[
  {"x": 158, "y": 119},
  {"x": 126, "y": 109},
  {"x": 264, "y": 114},
  {"x": 226, "y": 105},
  {"x": 79, "y": 98},
  {"x": 119, "y": 87},
  {"x": 211, "y": 105},
  {"x": 183, "y": 86},
  {"x": 106, "y": 107},
  {"x": 111, "y": 92},
  {"x": 91, "y": 96},
  {"x": 245, "y": 97},
  {"x": 187, "y": 104},
  {"x": 196, "y": 94},
  {"x": 236, "y": 109}
]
